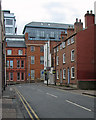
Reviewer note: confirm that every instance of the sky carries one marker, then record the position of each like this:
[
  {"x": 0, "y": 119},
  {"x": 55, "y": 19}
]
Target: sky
[{"x": 57, "y": 11}]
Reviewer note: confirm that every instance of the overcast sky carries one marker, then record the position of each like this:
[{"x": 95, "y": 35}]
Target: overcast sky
[{"x": 58, "y": 11}]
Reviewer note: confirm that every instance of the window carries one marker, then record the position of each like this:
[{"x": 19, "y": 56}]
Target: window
[
  {"x": 9, "y": 52},
  {"x": 54, "y": 50},
  {"x": 72, "y": 40},
  {"x": 41, "y": 48},
  {"x": 9, "y": 22},
  {"x": 57, "y": 49},
  {"x": 18, "y": 76},
  {"x": 52, "y": 35},
  {"x": 20, "y": 52},
  {"x": 41, "y": 59},
  {"x": 68, "y": 42},
  {"x": 57, "y": 74},
  {"x": 57, "y": 60},
  {"x": 72, "y": 55},
  {"x": 72, "y": 72},
  {"x": 32, "y": 74},
  {"x": 42, "y": 34},
  {"x": 32, "y": 59},
  {"x": 7, "y": 76},
  {"x": 11, "y": 76},
  {"x": 11, "y": 63},
  {"x": 9, "y": 30},
  {"x": 7, "y": 64},
  {"x": 64, "y": 58},
  {"x": 64, "y": 73},
  {"x": 18, "y": 63},
  {"x": 63, "y": 44},
  {"x": 60, "y": 46},
  {"x": 22, "y": 64},
  {"x": 32, "y": 48},
  {"x": 22, "y": 76}
]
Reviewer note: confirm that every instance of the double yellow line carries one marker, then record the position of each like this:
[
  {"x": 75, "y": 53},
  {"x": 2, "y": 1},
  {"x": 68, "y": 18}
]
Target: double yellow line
[{"x": 27, "y": 106}]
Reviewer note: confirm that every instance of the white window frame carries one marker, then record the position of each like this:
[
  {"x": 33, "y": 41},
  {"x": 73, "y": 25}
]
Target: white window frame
[
  {"x": 64, "y": 74},
  {"x": 60, "y": 46},
  {"x": 17, "y": 76},
  {"x": 10, "y": 76},
  {"x": 72, "y": 72},
  {"x": 32, "y": 74},
  {"x": 72, "y": 40},
  {"x": 64, "y": 58},
  {"x": 63, "y": 44},
  {"x": 68, "y": 42},
  {"x": 72, "y": 55},
  {"x": 57, "y": 49},
  {"x": 57, "y": 74},
  {"x": 20, "y": 52},
  {"x": 9, "y": 52},
  {"x": 32, "y": 48},
  {"x": 32, "y": 59},
  {"x": 42, "y": 60},
  {"x": 57, "y": 60}
]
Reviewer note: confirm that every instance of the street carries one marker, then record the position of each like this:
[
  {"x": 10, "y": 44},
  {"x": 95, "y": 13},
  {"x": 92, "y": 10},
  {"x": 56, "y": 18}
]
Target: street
[{"x": 47, "y": 102}]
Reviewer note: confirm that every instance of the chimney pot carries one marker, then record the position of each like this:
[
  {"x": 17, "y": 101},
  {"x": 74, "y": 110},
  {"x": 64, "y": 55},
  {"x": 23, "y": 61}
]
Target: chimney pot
[
  {"x": 88, "y": 12},
  {"x": 80, "y": 20},
  {"x": 76, "y": 19}
]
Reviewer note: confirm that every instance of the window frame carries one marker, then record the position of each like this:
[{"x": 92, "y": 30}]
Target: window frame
[
  {"x": 64, "y": 58},
  {"x": 64, "y": 74},
  {"x": 9, "y": 52},
  {"x": 72, "y": 72},
  {"x": 72, "y": 55},
  {"x": 32, "y": 59}
]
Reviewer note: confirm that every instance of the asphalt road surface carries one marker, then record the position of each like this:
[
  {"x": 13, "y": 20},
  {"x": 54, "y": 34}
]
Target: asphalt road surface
[{"x": 48, "y": 102}]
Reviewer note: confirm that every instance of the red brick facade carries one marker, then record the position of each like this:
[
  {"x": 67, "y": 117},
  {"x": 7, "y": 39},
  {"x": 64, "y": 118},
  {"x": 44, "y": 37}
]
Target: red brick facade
[
  {"x": 83, "y": 67},
  {"x": 12, "y": 69}
]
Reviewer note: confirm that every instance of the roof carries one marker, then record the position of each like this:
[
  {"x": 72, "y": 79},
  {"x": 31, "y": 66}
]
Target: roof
[
  {"x": 47, "y": 25},
  {"x": 15, "y": 43}
]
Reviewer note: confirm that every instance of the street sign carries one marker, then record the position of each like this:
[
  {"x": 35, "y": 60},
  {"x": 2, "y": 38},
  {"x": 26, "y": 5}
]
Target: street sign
[
  {"x": 28, "y": 74},
  {"x": 42, "y": 72}
]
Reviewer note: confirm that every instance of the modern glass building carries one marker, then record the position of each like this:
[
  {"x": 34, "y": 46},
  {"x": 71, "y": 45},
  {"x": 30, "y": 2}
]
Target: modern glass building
[
  {"x": 10, "y": 23},
  {"x": 45, "y": 30}
]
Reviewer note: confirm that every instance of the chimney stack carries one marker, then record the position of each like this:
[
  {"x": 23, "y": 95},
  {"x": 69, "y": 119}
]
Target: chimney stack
[
  {"x": 78, "y": 26},
  {"x": 89, "y": 19}
]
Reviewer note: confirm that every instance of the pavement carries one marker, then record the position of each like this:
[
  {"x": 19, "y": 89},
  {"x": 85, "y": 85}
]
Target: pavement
[{"x": 11, "y": 108}]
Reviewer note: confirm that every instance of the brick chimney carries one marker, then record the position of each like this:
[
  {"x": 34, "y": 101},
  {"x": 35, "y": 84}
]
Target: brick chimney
[
  {"x": 70, "y": 31},
  {"x": 26, "y": 36},
  {"x": 63, "y": 36},
  {"x": 89, "y": 19},
  {"x": 78, "y": 25}
]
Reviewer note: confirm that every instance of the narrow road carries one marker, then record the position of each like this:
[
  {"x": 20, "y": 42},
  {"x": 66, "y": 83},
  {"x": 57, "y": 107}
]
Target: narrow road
[{"x": 47, "y": 102}]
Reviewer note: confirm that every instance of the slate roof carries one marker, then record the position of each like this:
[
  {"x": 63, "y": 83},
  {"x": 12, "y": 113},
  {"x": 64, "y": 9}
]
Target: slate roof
[
  {"x": 48, "y": 24},
  {"x": 16, "y": 44}
]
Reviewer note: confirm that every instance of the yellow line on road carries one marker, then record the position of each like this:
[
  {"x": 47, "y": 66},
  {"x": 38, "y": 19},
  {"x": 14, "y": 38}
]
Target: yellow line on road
[
  {"x": 28, "y": 105},
  {"x": 25, "y": 105}
]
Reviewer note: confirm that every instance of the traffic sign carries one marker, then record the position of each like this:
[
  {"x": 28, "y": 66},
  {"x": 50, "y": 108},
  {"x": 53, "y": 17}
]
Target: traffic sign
[{"x": 28, "y": 74}]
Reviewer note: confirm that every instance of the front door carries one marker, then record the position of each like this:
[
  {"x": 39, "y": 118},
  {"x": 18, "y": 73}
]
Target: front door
[{"x": 68, "y": 76}]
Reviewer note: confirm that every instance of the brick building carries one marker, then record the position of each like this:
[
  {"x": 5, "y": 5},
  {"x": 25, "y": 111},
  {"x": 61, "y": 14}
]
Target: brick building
[
  {"x": 75, "y": 57},
  {"x": 15, "y": 59},
  {"x": 36, "y": 35}
]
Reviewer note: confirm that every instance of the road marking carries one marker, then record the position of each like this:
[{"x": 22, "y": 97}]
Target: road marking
[
  {"x": 25, "y": 105},
  {"x": 78, "y": 105},
  {"x": 36, "y": 117},
  {"x": 52, "y": 95}
]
